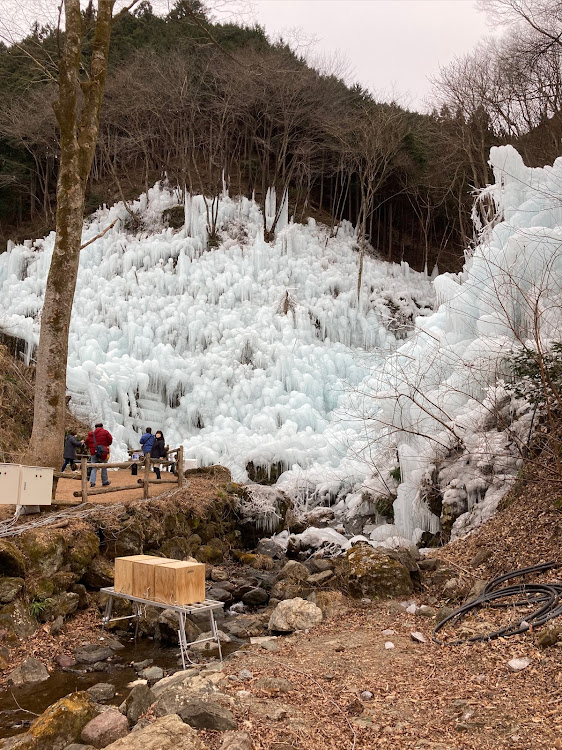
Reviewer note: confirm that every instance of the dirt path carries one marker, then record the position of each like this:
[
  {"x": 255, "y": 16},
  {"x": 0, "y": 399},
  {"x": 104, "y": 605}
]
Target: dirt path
[
  {"x": 118, "y": 478},
  {"x": 425, "y": 696}
]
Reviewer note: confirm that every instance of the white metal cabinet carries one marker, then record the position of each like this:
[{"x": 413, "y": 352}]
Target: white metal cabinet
[
  {"x": 36, "y": 485},
  {"x": 9, "y": 484}
]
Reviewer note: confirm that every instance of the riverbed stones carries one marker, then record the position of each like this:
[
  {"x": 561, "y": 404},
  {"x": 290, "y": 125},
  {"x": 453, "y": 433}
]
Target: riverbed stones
[
  {"x": 29, "y": 672},
  {"x": 92, "y": 653},
  {"x": 256, "y": 597},
  {"x": 369, "y": 572},
  {"x": 166, "y": 733},
  {"x": 152, "y": 673},
  {"x": 101, "y": 692},
  {"x": 207, "y": 715},
  {"x": 60, "y": 725},
  {"x": 294, "y": 614},
  {"x": 10, "y": 587},
  {"x": 137, "y": 702},
  {"x": 105, "y": 728}
]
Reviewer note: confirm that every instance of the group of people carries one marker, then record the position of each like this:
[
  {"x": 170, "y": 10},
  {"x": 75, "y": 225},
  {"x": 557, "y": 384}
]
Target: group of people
[
  {"x": 155, "y": 446},
  {"x": 98, "y": 442}
]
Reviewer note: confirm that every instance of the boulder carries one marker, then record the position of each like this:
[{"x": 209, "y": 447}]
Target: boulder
[
  {"x": 246, "y": 626},
  {"x": 218, "y": 574},
  {"x": 210, "y": 553},
  {"x": 319, "y": 565},
  {"x": 29, "y": 672},
  {"x": 255, "y": 597},
  {"x": 10, "y": 588},
  {"x": 207, "y": 715},
  {"x": 167, "y": 627},
  {"x": 332, "y": 603},
  {"x": 12, "y": 562},
  {"x": 83, "y": 546},
  {"x": 370, "y": 573},
  {"x": 4, "y": 657},
  {"x": 60, "y": 725},
  {"x": 92, "y": 653},
  {"x": 289, "y": 588},
  {"x": 125, "y": 541},
  {"x": 57, "y": 625},
  {"x": 45, "y": 549},
  {"x": 167, "y": 733},
  {"x": 61, "y": 605},
  {"x": 294, "y": 614},
  {"x": 270, "y": 548},
  {"x": 234, "y": 740},
  {"x": 152, "y": 673},
  {"x": 99, "y": 573},
  {"x": 16, "y": 617},
  {"x": 107, "y": 727},
  {"x": 210, "y": 645},
  {"x": 137, "y": 702},
  {"x": 294, "y": 570},
  {"x": 319, "y": 579},
  {"x": 101, "y": 692},
  {"x": 550, "y": 637}
]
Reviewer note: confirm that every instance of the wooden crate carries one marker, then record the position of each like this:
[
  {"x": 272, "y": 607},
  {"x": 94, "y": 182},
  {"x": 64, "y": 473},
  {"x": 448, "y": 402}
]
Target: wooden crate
[
  {"x": 143, "y": 576},
  {"x": 178, "y": 582},
  {"x": 123, "y": 577}
]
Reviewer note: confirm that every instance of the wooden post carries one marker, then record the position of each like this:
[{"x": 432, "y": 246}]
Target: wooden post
[
  {"x": 179, "y": 457},
  {"x": 146, "y": 475},
  {"x": 84, "y": 472}
]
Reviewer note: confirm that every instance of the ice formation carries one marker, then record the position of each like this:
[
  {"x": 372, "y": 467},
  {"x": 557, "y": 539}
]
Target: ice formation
[{"x": 258, "y": 352}]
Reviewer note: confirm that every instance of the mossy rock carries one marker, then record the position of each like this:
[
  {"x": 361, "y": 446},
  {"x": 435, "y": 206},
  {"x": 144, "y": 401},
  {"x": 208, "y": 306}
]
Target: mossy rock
[
  {"x": 40, "y": 588},
  {"x": 45, "y": 549},
  {"x": 60, "y": 725},
  {"x": 208, "y": 531},
  {"x": 154, "y": 533},
  {"x": 129, "y": 540},
  {"x": 16, "y": 618},
  {"x": 174, "y": 217},
  {"x": 177, "y": 524},
  {"x": 177, "y": 548},
  {"x": 220, "y": 473},
  {"x": 82, "y": 548},
  {"x": 211, "y": 553},
  {"x": 366, "y": 572},
  {"x": 12, "y": 562},
  {"x": 10, "y": 588},
  {"x": 99, "y": 574},
  {"x": 64, "y": 604}
]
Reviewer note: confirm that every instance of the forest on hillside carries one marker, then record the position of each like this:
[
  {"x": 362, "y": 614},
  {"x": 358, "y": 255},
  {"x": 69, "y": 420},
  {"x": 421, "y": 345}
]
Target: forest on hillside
[{"x": 200, "y": 102}]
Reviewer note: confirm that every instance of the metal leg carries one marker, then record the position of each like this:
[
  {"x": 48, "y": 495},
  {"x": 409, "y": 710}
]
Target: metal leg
[
  {"x": 215, "y": 632},
  {"x": 137, "y": 612},
  {"x": 107, "y": 613}
]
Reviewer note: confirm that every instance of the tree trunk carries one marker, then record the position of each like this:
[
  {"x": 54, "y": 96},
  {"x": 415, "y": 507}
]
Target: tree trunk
[{"x": 78, "y": 137}]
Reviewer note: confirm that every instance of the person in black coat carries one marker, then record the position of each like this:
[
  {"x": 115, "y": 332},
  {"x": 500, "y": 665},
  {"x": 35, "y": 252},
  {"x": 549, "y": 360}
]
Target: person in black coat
[
  {"x": 69, "y": 453},
  {"x": 158, "y": 450}
]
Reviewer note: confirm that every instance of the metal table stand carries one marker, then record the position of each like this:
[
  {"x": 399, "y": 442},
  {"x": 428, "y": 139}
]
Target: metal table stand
[{"x": 182, "y": 611}]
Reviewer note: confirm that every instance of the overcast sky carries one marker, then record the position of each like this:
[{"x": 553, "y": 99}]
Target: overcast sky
[{"x": 391, "y": 44}]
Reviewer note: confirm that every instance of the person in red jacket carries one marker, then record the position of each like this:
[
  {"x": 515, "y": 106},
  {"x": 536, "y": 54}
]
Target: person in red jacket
[{"x": 98, "y": 441}]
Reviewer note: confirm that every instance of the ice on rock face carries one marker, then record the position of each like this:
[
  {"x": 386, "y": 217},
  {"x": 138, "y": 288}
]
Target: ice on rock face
[{"x": 240, "y": 352}]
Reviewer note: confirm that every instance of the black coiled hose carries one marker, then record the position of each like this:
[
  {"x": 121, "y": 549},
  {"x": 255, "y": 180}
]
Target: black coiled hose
[{"x": 548, "y": 597}]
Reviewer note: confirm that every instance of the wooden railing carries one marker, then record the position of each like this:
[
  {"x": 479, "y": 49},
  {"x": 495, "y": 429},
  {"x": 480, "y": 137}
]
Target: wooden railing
[{"x": 146, "y": 462}]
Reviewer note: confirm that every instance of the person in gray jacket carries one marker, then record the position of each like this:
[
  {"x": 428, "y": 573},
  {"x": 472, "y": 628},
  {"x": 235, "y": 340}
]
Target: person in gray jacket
[{"x": 69, "y": 453}]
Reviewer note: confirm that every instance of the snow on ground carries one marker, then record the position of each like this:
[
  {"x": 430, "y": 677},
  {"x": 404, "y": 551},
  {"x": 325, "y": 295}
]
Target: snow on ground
[{"x": 256, "y": 352}]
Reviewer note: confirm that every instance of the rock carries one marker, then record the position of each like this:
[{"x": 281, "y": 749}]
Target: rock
[
  {"x": 128, "y": 540},
  {"x": 57, "y": 625},
  {"x": 82, "y": 548},
  {"x": 245, "y": 674},
  {"x": 429, "y": 563},
  {"x": 166, "y": 733},
  {"x": 294, "y": 570},
  {"x": 61, "y": 605},
  {"x": 4, "y": 657},
  {"x": 79, "y": 746},
  {"x": 12, "y": 562},
  {"x": 211, "y": 715},
  {"x": 549, "y": 637},
  {"x": 45, "y": 549},
  {"x": 30, "y": 671},
  {"x": 318, "y": 579},
  {"x": 101, "y": 691},
  {"x": 516, "y": 665},
  {"x": 332, "y": 603},
  {"x": 60, "y": 725},
  {"x": 290, "y": 588},
  {"x": 319, "y": 565},
  {"x": 167, "y": 627},
  {"x": 388, "y": 631},
  {"x": 234, "y": 740},
  {"x": 477, "y": 589},
  {"x": 371, "y": 573},
  {"x": 389, "y": 645},
  {"x": 210, "y": 553},
  {"x": 270, "y": 548},
  {"x": 217, "y": 574},
  {"x": 451, "y": 588},
  {"x": 480, "y": 557},
  {"x": 138, "y": 666},
  {"x": 269, "y": 643},
  {"x": 107, "y": 727},
  {"x": 137, "y": 702},
  {"x": 65, "y": 661},
  {"x": 16, "y": 617},
  {"x": 294, "y": 614},
  {"x": 443, "y": 613},
  {"x": 425, "y": 611},
  {"x": 256, "y": 597},
  {"x": 152, "y": 673},
  {"x": 91, "y": 653},
  {"x": 418, "y": 637},
  {"x": 99, "y": 573},
  {"x": 80, "y": 589},
  {"x": 219, "y": 594},
  {"x": 273, "y": 685},
  {"x": 10, "y": 588},
  {"x": 210, "y": 645},
  {"x": 247, "y": 625}
]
